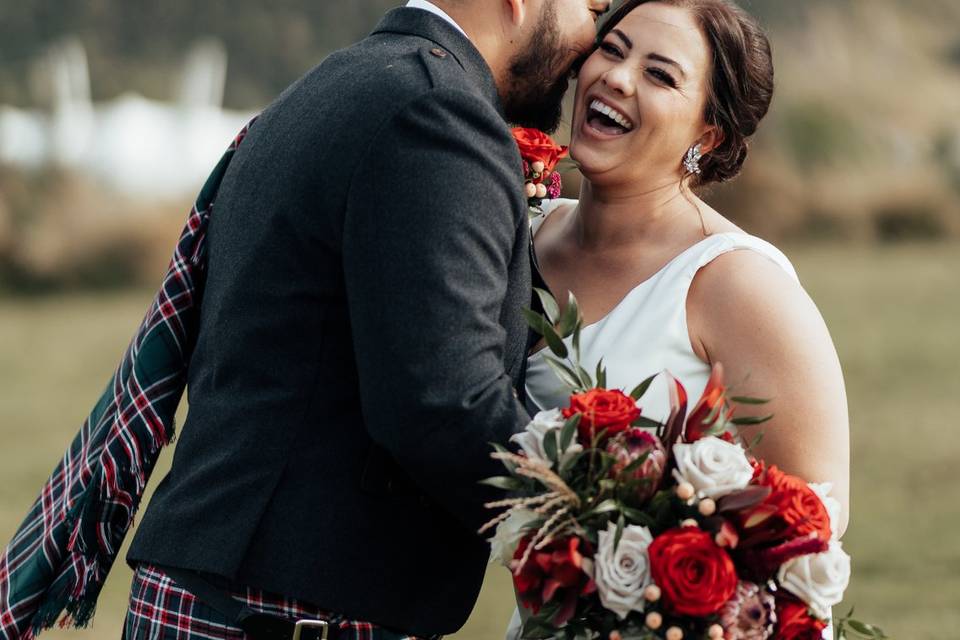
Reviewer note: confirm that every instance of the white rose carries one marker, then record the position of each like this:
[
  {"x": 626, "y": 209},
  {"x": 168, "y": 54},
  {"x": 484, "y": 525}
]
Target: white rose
[
  {"x": 819, "y": 579},
  {"x": 823, "y": 490},
  {"x": 531, "y": 438},
  {"x": 507, "y": 537},
  {"x": 622, "y": 575},
  {"x": 713, "y": 466}
]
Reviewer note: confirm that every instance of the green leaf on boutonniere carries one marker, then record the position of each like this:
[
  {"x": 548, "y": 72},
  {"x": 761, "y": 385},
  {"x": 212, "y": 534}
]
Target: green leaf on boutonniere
[
  {"x": 746, "y": 400},
  {"x": 641, "y": 388},
  {"x": 549, "y": 303},
  {"x": 503, "y": 482}
]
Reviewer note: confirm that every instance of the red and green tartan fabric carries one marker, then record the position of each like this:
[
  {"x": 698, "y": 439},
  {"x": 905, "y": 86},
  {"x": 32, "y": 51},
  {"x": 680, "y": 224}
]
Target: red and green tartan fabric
[{"x": 60, "y": 556}]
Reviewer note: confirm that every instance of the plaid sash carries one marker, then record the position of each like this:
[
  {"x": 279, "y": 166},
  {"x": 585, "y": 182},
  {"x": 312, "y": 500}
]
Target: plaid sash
[{"x": 60, "y": 556}]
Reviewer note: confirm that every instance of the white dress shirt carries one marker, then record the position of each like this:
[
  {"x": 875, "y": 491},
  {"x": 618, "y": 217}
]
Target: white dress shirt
[{"x": 434, "y": 9}]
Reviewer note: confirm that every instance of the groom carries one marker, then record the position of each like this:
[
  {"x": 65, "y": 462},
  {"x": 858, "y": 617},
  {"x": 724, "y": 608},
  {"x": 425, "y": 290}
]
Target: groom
[{"x": 361, "y": 336}]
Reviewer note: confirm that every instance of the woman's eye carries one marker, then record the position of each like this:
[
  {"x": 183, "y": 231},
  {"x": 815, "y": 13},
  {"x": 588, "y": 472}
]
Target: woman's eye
[
  {"x": 662, "y": 76},
  {"x": 612, "y": 49}
]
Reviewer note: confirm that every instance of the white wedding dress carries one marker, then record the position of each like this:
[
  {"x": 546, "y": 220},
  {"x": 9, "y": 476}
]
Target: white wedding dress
[{"x": 645, "y": 333}]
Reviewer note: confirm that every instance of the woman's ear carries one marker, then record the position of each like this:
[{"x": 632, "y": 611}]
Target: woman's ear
[{"x": 710, "y": 139}]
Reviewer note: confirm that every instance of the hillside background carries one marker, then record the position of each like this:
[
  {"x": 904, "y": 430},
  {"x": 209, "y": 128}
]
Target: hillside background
[{"x": 855, "y": 173}]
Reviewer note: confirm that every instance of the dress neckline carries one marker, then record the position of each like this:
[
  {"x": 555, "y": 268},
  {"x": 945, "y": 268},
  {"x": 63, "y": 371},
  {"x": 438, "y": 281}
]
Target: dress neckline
[{"x": 629, "y": 294}]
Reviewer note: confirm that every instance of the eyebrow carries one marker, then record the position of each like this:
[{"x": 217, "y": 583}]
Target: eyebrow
[{"x": 652, "y": 56}]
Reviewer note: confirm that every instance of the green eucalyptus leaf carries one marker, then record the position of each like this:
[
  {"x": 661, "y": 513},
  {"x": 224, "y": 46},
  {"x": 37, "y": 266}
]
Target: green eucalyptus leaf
[
  {"x": 569, "y": 431},
  {"x": 601, "y": 375},
  {"x": 637, "y": 516},
  {"x": 621, "y": 523},
  {"x": 503, "y": 482},
  {"x": 535, "y": 321},
  {"x": 636, "y": 464},
  {"x": 751, "y": 420},
  {"x": 556, "y": 345},
  {"x": 550, "y": 446},
  {"x": 647, "y": 423},
  {"x": 570, "y": 318},
  {"x": 641, "y": 388},
  {"x": 585, "y": 378},
  {"x": 746, "y": 400},
  {"x": 570, "y": 462},
  {"x": 565, "y": 373},
  {"x": 576, "y": 340},
  {"x": 606, "y": 506},
  {"x": 549, "y": 303}
]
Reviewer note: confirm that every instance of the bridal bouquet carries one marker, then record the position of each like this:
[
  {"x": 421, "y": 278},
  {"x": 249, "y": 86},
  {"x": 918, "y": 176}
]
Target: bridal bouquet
[{"x": 620, "y": 527}]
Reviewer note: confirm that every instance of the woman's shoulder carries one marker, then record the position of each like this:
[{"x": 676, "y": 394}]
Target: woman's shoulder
[
  {"x": 548, "y": 207},
  {"x": 751, "y": 290}
]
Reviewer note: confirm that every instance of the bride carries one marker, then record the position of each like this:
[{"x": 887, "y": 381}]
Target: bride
[{"x": 665, "y": 104}]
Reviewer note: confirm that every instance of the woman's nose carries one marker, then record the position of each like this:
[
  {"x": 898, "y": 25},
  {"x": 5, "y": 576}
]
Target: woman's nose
[{"x": 619, "y": 79}]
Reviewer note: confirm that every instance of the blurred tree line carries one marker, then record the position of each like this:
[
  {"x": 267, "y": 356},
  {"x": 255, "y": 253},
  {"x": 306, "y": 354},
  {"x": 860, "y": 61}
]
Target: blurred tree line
[
  {"x": 862, "y": 143},
  {"x": 133, "y": 44}
]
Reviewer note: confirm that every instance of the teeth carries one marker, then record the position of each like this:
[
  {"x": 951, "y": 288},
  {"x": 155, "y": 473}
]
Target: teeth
[{"x": 612, "y": 113}]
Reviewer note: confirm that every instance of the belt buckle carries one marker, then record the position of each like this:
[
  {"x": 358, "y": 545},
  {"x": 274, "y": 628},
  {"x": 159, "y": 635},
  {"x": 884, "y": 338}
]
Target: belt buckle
[{"x": 311, "y": 624}]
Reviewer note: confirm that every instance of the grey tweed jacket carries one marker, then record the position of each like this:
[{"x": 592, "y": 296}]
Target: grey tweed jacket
[{"x": 360, "y": 339}]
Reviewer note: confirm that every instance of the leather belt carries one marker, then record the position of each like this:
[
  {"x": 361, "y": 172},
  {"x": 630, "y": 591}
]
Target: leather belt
[{"x": 256, "y": 624}]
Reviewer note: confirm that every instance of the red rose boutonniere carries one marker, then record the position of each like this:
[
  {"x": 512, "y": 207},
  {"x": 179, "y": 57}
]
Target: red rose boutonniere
[{"x": 540, "y": 156}]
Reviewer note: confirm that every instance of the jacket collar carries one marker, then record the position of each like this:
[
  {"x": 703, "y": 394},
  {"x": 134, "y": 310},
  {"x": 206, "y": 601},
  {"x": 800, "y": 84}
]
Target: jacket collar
[{"x": 423, "y": 24}]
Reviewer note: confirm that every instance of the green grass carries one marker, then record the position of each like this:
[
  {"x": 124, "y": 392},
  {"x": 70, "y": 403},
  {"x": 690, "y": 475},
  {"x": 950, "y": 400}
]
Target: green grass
[{"x": 893, "y": 313}]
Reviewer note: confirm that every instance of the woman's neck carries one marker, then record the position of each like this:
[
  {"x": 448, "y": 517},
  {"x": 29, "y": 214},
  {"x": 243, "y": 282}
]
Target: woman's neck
[{"x": 615, "y": 217}]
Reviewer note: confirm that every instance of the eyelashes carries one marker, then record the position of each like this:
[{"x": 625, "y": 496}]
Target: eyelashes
[{"x": 658, "y": 74}]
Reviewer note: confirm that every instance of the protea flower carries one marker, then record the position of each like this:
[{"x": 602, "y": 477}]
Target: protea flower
[
  {"x": 629, "y": 446},
  {"x": 749, "y": 615}
]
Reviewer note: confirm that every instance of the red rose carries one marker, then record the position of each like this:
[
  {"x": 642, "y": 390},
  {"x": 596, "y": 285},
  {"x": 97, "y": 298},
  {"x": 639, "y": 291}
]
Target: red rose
[
  {"x": 602, "y": 410},
  {"x": 713, "y": 396},
  {"x": 536, "y": 146},
  {"x": 553, "y": 573},
  {"x": 792, "y": 510},
  {"x": 794, "y": 622},
  {"x": 695, "y": 575}
]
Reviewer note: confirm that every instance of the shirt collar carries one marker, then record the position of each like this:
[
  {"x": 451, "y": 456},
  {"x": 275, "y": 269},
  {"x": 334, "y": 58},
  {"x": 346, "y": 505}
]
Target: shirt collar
[{"x": 434, "y": 9}]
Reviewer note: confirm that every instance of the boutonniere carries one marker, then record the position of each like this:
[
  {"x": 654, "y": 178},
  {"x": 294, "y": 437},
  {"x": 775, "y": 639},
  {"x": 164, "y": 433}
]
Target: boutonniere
[{"x": 540, "y": 156}]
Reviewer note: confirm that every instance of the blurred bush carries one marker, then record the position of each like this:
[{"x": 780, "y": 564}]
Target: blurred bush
[
  {"x": 862, "y": 143},
  {"x": 59, "y": 231}
]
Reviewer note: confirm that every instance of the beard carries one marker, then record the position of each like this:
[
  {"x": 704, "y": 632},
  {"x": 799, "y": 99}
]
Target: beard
[{"x": 539, "y": 76}]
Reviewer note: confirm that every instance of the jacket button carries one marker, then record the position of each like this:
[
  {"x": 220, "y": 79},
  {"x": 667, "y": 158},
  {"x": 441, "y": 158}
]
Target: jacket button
[{"x": 438, "y": 52}]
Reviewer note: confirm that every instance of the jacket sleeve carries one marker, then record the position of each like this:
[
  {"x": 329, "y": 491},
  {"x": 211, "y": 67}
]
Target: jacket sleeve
[{"x": 431, "y": 226}]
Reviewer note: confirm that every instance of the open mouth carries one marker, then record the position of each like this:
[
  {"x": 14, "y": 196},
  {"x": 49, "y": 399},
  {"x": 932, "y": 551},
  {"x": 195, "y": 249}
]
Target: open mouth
[{"x": 607, "y": 120}]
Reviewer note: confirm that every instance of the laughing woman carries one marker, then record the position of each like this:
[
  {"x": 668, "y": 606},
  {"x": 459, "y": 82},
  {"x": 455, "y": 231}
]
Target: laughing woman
[{"x": 665, "y": 104}]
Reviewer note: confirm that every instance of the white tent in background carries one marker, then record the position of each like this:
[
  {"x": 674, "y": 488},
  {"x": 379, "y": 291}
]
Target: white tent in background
[{"x": 138, "y": 146}]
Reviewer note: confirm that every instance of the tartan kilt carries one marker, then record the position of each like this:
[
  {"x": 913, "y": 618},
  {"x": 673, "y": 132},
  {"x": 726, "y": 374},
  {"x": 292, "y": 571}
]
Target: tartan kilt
[{"x": 160, "y": 609}]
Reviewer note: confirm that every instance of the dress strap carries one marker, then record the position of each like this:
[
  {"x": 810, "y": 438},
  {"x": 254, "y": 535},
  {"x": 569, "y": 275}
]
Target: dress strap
[
  {"x": 718, "y": 244},
  {"x": 548, "y": 207}
]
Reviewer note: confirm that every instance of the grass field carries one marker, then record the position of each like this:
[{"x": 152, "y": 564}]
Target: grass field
[{"x": 893, "y": 313}]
